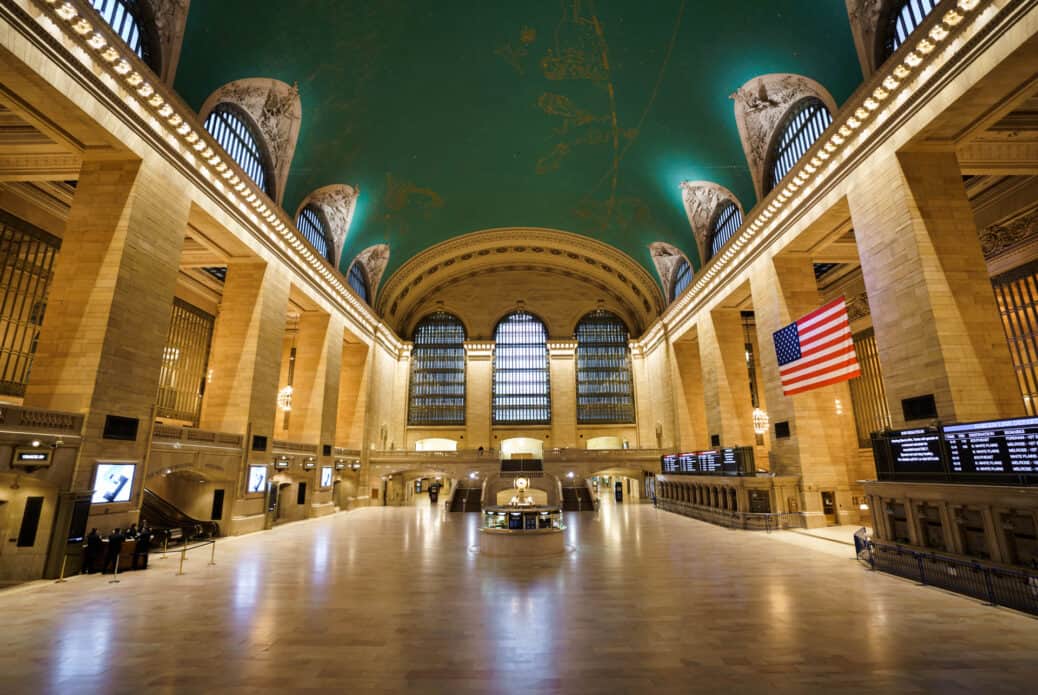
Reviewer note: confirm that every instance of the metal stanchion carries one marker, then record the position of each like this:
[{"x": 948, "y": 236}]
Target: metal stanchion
[
  {"x": 61, "y": 579},
  {"x": 212, "y": 556},
  {"x": 183, "y": 556},
  {"x": 165, "y": 542},
  {"x": 115, "y": 576}
]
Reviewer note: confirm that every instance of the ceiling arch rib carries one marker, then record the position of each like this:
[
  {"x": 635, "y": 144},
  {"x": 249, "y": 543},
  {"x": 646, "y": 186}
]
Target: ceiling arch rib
[{"x": 545, "y": 255}]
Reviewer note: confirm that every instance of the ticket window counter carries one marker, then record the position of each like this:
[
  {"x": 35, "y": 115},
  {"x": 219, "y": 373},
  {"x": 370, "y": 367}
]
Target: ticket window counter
[
  {"x": 1021, "y": 536},
  {"x": 931, "y": 529},
  {"x": 972, "y": 534}
]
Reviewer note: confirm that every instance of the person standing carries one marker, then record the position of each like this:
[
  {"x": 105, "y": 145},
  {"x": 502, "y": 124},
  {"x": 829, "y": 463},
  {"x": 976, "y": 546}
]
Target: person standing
[
  {"x": 140, "y": 551},
  {"x": 92, "y": 554},
  {"x": 115, "y": 546}
]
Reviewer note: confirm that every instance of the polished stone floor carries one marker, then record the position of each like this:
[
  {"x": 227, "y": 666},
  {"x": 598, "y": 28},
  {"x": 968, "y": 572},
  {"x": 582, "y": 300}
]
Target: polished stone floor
[{"x": 390, "y": 600}]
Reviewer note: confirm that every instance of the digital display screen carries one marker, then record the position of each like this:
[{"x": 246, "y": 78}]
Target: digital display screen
[
  {"x": 113, "y": 482},
  {"x": 1000, "y": 446},
  {"x": 688, "y": 462},
  {"x": 326, "y": 476},
  {"x": 709, "y": 461},
  {"x": 916, "y": 451},
  {"x": 257, "y": 479},
  {"x": 670, "y": 464}
]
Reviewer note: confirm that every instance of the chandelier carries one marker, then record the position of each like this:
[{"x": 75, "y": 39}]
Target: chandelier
[
  {"x": 760, "y": 421},
  {"x": 285, "y": 399}
]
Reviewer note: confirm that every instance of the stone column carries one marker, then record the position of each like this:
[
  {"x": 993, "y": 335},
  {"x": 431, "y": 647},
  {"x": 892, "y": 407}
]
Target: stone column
[
  {"x": 726, "y": 380},
  {"x": 108, "y": 311},
  {"x": 937, "y": 325},
  {"x": 246, "y": 354},
  {"x": 562, "y": 355},
  {"x": 316, "y": 383},
  {"x": 479, "y": 372},
  {"x": 688, "y": 395},
  {"x": 822, "y": 446}
]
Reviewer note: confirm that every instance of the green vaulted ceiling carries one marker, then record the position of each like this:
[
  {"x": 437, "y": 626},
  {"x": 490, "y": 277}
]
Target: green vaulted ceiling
[{"x": 457, "y": 116}]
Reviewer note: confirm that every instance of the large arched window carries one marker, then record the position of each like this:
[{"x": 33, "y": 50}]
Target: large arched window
[
  {"x": 132, "y": 21},
  {"x": 437, "y": 395},
  {"x": 904, "y": 19},
  {"x": 358, "y": 280},
  {"x": 605, "y": 394},
  {"x": 233, "y": 129},
  {"x": 802, "y": 126},
  {"x": 682, "y": 277},
  {"x": 726, "y": 224},
  {"x": 522, "y": 390},
  {"x": 314, "y": 226}
]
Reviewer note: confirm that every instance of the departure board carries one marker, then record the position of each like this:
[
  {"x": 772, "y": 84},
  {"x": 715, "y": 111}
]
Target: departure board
[
  {"x": 711, "y": 462},
  {"x": 916, "y": 451},
  {"x": 1000, "y": 446},
  {"x": 670, "y": 464}
]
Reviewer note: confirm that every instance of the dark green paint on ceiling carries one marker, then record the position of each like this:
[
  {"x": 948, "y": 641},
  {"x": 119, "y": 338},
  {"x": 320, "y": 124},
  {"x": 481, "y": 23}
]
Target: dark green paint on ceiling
[{"x": 458, "y": 116}]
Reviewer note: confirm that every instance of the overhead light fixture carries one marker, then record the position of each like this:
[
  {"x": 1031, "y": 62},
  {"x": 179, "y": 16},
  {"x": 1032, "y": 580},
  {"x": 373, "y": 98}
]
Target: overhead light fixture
[
  {"x": 285, "y": 399},
  {"x": 760, "y": 421}
]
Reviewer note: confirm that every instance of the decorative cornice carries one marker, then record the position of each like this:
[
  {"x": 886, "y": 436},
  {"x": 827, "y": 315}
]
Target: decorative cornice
[
  {"x": 999, "y": 238},
  {"x": 155, "y": 110},
  {"x": 869, "y": 111},
  {"x": 858, "y": 306}
]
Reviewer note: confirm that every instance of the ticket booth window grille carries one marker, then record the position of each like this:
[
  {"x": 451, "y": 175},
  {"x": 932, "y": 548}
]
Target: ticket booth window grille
[
  {"x": 522, "y": 390},
  {"x": 437, "y": 392},
  {"x": 185, "y": 363},
  {"x": 133, "y": 23},
  {"x": 27, "y": 257},
  {"x": 802, "y": 126},
  {"x": 1017, "y": 296},
  {"x": 868, "y": 397},
  {"x": 905, "y": 20},
  {"x": 605, "y": 389},
  {"x": 233, "y": 130}
]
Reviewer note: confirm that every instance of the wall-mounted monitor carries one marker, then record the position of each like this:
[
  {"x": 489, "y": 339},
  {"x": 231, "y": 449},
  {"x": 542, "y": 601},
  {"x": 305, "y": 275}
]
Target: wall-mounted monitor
[
  {"x": 30, "y": 457},
  {"x": 113, "y": 482},
  {"x": 257, "y": 479},
  {"x": 326, "y": 476}
]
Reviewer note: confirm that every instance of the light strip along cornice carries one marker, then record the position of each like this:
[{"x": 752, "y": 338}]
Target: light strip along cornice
[
  {"x": 106, "y": 56},
  {"x": 936, "y": 42}
]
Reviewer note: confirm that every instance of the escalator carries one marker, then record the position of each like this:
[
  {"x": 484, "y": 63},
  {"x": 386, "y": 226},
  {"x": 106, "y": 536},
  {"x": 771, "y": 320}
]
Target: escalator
[
  {"x": 163, "y": 516},
  {"x": 577, "y": 499},
  {"x": 466, "y": 499}
]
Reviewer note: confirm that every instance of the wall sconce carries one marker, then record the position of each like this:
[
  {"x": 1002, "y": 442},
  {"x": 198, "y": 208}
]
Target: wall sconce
[
  {"x": 355, "y": 465},
  {"x": 285, "y": 399},
  {"x": 339, "y": 464},
  {"x": 760, "y": 421}
]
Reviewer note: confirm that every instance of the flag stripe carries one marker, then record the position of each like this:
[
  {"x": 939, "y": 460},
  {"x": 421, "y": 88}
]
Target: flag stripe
[
  {"x": 822, "y": 310},
  {"x": 846, "y": 376},
  {"x": 844, "y": 355}
]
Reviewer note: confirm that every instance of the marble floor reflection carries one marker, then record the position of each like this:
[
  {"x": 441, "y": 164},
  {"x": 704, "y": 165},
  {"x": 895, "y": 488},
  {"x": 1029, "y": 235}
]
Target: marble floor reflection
[{"x": 393, "y": 599}]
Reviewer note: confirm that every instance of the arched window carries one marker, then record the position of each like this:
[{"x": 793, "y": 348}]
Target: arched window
[
  {"x": 132, "y": 21},
  {"x": 437, "y": 395},
  {"x": 802, "y": 126},
  {"x": 522, "y": 391},
  {"x": 314, "y": 226},
  {"x": 682, "y": 278},
  {"x": 725, "y": 225},
  {"x": 358, "y": 280},
  {"x": 233, "y": 129},
  {"x": 605, "y": 394},
  {"x": 905, "y": 19}
]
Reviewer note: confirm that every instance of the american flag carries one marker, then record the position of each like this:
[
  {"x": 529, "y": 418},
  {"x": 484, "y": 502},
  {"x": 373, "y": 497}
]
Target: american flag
[{"x": 817, "y": 350}]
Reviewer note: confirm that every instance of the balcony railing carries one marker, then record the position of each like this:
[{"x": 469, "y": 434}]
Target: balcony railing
[
  {"x": 190, "y": 435},
  {"x": 14, "y": 417}
]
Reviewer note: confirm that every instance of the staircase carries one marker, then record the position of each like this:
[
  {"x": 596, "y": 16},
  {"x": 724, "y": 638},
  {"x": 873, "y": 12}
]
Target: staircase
[
  {"x": 162, "y": 515},
  {"x": 577, "y": 499},
  {"x": 466, "y": 499}
]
